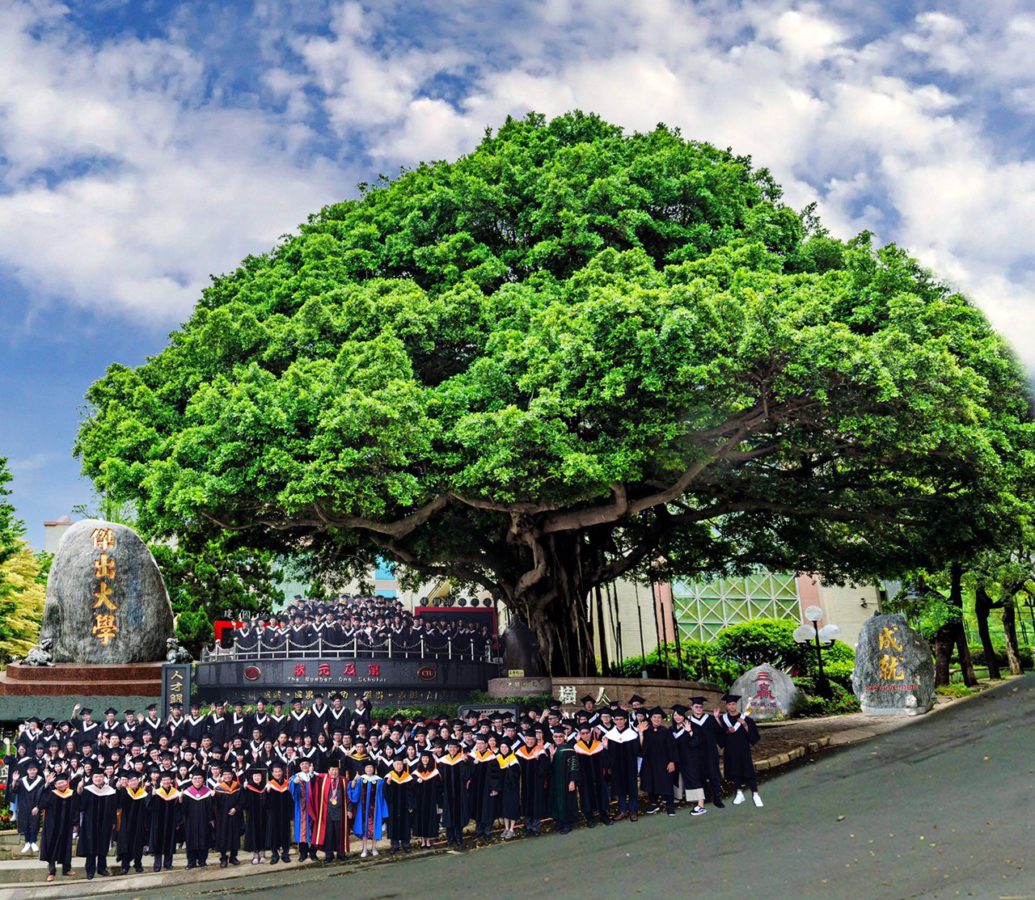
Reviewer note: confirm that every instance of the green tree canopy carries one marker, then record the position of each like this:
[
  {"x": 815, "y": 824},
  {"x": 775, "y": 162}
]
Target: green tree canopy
[{"x": 568, "y": 353}]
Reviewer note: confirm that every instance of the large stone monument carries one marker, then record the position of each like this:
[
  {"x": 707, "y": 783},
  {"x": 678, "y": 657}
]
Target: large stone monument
[
  {"x": 106, "y": 600},
  {"x": 766, "y": 692},
  {"x": 521, "y": 649},
  {"x": 894, "y": 670}
]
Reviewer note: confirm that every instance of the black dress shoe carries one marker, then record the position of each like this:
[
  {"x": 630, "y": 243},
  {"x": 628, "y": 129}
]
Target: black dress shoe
[
  {"x": 124, "y": 870},
  {"x": 719, "y": 804},
  {"x": 223, "y": 864},
  {"x": 138, "y": 868}
]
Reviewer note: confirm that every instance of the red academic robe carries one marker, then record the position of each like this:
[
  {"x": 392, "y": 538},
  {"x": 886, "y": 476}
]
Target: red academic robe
[{"x": 322, "y": 799}]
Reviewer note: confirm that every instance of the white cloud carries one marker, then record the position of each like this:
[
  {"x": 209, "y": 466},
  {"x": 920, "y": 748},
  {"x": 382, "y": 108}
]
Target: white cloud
[
  {"x": 124, "y": 187},
  {"x": 126, "y": 182}
]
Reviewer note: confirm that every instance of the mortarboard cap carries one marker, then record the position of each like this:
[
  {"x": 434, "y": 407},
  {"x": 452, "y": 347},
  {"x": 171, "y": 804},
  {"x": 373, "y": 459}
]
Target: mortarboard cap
[
  {"x": 700, "y": 700},
  {"x": 730, "y": 698},
  {"x": 636, "y": 698},
  {"x": 658, "y": 711}
]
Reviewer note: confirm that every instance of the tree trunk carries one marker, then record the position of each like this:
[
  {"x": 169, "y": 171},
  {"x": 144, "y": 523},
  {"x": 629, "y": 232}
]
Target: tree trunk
[
  {"x": 556, "y": 608},
  {"x": 604, "y": 667},
  {"x": 943, "y": 641},
  {"x": 959, "y": 632},
  {"x": 982, "y": 609},
  {"x": 1013, "y": 653}
]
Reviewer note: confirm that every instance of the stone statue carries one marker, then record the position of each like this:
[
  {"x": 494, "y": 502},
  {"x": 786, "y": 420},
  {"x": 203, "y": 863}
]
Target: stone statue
[
  {"x": 39, "y": 655},
  {"x": 521, "y": 649},
  {"x": 176, "y": 652},
  {"x": 106, "y": 600}
]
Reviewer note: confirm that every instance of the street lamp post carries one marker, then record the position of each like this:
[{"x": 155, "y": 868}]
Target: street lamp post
[{"x": 804, "y": 634}]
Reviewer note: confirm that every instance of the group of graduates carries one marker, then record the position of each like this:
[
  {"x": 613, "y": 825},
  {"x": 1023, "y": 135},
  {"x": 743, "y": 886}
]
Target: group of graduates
[
  {"x": 357, "y": 625},
  {"x": 316, "y": 778}
]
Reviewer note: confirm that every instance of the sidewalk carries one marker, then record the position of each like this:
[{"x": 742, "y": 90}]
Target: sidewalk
[{"x": 781, "y": 743}]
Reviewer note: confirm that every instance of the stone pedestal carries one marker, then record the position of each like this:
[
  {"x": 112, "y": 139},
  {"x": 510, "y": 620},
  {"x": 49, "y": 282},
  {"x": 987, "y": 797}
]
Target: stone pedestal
[
  {"x": 519, "y": 687},
  {"x": 54, "y": 690}
]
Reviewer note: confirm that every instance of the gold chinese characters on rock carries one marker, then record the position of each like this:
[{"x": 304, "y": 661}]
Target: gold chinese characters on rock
[{"x": 105, "y": 609}]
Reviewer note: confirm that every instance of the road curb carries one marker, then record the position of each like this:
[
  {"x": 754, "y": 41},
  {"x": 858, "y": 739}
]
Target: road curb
[{"x": 782, "y": 759}]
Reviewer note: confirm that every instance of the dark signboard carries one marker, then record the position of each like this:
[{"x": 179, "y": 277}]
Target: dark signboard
[{"x": 382, "y": 680}]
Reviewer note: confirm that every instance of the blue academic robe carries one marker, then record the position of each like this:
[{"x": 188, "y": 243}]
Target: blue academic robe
[
  {"x": 305, "y": 808},
  {"x": 368, "y": 800}
]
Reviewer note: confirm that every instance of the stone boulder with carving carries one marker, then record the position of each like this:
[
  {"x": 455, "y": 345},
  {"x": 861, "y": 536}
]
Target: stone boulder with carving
[{"x": 106, "y": 600}]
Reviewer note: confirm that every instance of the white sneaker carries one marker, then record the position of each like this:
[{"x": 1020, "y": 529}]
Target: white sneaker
[
  {"x": 363, "y": 855},
  {"x": 757, "y": 798},
  {"x": 373, "y": 852},
  {"x": 26, "y": 848},
  {"x": 739, "y": 798},
  {"x": 698, "y": 811}
]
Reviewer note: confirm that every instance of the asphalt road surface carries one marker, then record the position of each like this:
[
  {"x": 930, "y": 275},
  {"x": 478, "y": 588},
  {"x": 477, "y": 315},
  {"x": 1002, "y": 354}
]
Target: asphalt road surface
[{"x": 942, "y": 808}]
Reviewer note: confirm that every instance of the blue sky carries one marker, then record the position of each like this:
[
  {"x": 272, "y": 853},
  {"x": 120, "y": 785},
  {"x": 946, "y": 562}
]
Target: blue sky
[{"x": 146, "y": 145}]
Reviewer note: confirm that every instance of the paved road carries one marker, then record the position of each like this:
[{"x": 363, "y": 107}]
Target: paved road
[{"x": 942, "y": 808}]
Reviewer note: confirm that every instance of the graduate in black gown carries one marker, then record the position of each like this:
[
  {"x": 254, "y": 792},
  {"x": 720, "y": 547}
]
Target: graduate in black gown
[
  {"x": 399, "y": 797},
  {"x": 198, "y": 811},
  {"x": 165, "y": 819},
  {"x": 710, "y": 732},
  {"x": 60, "y": 806},
  {"x": 623, "y": 755},
  {"x": 688, "y": 784},
  {"x": 280, "y": 816},
  {"x": 133, "y": 805},
  {"x": 741, "y": 734},
  {"x": 253, "y": 803},
  {"x": 592, "y": 757},
  {"x": 505, "y": 780},
  {"x": 534, "y": 761},
  {"x": 483, "y": 803},
  {"x": 98, "y": 802},
  {"x": 226, "y": 803},
  {"x": 28, "y": 790},
  {"x": 427, "y": 798},
  {"x": 659, "y": 763},
  {"x": 454, "y": 771}
]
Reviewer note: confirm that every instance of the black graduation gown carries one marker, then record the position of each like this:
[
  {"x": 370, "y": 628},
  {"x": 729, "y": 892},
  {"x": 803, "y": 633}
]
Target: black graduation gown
[
  {"x": 737, "y": 744},
  {"x": 297, "y": 725},
  {"x": 623, "y": 753},
  {"x": 220, "y": 729},
  {"x": 456, "y": 809},
  {"x": 710, "y": 732},
  {"x": 688, "y": 757},
  {"x": 165, "y": 819},
  {"x": 399, "y": 797},
  {"x": 427, "y": 800},
  {"x": 60, "y": 813},
  {"x": 280, "y": 815},
  {"x": 535, "y": 766},
  {"x": 197, "y": 819},
  {"x": 253, "y": 801},
  {"x": 658, "y": 750},
  {"x": 505, "y": 779},
  {"x": 98, "y": 821},
  {"x": 592, "y": 787},
  {"x": 133, "y": 821},
  {"x": 226, "y": 802},
  {"x": 29, "y": 794},
  {"x": 477, "y": 794}
]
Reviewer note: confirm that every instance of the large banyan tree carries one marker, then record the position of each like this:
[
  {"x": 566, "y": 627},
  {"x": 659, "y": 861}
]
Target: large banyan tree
[{"x": 568, "y": 356}]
